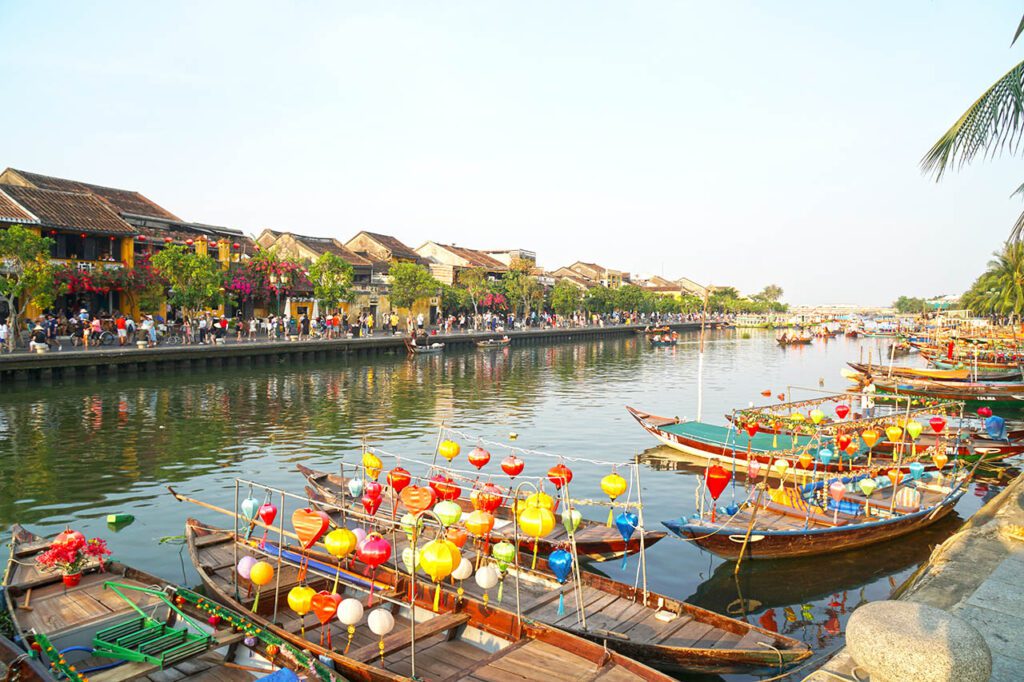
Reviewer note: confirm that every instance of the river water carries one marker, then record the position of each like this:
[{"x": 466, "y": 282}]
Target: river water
[{"x": 70, "y": 455}]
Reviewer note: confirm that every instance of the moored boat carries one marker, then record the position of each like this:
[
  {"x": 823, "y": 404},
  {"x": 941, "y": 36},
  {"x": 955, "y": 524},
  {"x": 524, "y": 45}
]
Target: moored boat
[
  {"x": 494, "y": 343},
  {"x": 663, "y": 340},
  {"x": 120, "y": 623},
  {"x": 966, "y": 391}
]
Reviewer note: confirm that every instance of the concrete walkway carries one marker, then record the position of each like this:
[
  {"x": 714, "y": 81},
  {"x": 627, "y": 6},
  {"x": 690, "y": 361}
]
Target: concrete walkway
[{"x": 977, "y": 574}]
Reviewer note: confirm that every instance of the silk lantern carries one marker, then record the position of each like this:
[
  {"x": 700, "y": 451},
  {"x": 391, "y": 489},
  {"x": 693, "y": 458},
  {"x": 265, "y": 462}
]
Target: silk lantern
[
  {"x": 260, "y": 574},
  {"x": 536, "y": 522},
  {"x": 571, "y": 519},
  {"x": 894, "y": 434},
  {"x": 267, "y": 514},
  {"x": 479, "y": 457},
  {"x": 753, "y": 469},
  {"x": 439, "y": 558},
  {"x": 916, "y": 470},
  {"x": 324, "y": 605},
  {"x": 940, "y": 459},
  {"x": 816, "y": 416},
  {"x": 398, "y": 478},
  {"x": 512, "y": 466},
  {"x": 350, "y": 612},
  {"x": 244, "y": 566},
  {"x": 449, "y": 449},
  {"x": 461, "y": 572},
  {"x": 340, "y": 542},
  {"x": 626, "y": 522},
  {"x": 504, "y": 553},
  {"x": 372, "y": 465},
  {"x": 299, "y": 601},
  {"x": 837, "y": 491},
  {"x": 613, "y": 485},
  {"x": 373, "y": 551},
  {"x": 355, "y": 487},
  {"x": 716, "y": 479},
  {"x": 487, "y": 498},
  {"x": 937, "y": 424},
  {"x": 448, "y": 512},
  {"x": 984, "y": 412},
  {"x": 842, "y": 410},
  {"x": 805, "y": 459},
  {"x": 560, "y": 563},
  {"x": 486, "y": 578},
  {"x": 380, "y": 622},
  {"x": 825, "y": 456},
  {"x": 560, "y": 475}
]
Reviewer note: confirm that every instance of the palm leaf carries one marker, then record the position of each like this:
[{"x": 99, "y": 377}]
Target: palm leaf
[
  {"x": 1020, "y": 29},
  {"x": 990, "y": 126}
]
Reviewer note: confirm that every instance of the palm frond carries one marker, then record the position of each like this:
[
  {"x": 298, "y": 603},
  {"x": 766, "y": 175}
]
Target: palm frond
[
  {"x": 1017, "y": 233},
  {"x": 1020, "y": 29},
  {"x": 990, "y": 126}
]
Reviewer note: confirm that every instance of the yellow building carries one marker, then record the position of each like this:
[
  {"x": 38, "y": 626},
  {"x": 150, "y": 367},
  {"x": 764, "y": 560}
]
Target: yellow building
[{"x": 383, "y": 250}]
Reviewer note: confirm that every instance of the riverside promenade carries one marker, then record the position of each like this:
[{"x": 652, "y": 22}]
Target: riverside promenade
[
  {"x": 115, "y": 361},
  {"x": 975, "y": 575}
]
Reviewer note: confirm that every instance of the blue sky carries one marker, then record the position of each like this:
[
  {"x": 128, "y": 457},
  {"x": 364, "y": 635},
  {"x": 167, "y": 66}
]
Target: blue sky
[{"x": 732, "y": 143}]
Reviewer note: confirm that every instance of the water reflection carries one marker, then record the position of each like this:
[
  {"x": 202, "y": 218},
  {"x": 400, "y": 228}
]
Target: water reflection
[{"x": 74, "y": 453}]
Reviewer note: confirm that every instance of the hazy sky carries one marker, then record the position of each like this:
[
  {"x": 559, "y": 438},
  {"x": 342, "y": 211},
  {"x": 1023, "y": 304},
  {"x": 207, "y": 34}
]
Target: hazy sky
[{"x": 732, "y": 143}]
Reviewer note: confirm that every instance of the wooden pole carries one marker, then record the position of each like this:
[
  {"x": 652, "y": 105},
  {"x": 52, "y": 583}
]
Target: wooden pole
[
  {"x": 750, "y": 528},
  {"x": 700, "y": 356}
]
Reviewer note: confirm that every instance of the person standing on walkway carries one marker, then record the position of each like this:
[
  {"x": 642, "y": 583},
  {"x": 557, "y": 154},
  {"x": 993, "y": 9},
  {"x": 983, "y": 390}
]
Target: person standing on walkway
[
  {"x": 4, "y": 333},
  {"x": 369, "y": 324},
  {"x": 252, "y": 329},
  {"x": 419, "y": 321},
  {"x": 122, "y": 330}
]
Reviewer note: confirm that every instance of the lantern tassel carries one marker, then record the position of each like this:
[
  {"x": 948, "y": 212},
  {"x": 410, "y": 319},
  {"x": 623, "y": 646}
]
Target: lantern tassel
[
  {"x": 501, "y": 586},
  {"x": 351, "y": 634},
  {"x": 437, "y": 597},
  {"x": 561, "y": 604},
  {"x": 336, "y": 575},
  {"x": 256, "y": 601},
  {"x": 533, "y": 566},
  {"x": 610, "y": 511},
  {"x": 372, "y": 580}
]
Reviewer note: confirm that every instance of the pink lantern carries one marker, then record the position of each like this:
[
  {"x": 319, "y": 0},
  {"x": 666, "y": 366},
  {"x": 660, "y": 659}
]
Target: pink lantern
[{"x": 837, "y": 491}]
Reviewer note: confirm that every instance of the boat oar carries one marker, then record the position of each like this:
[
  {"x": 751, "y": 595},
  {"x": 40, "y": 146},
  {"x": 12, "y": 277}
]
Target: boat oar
[
  {"x": 28, "y": 599},
  {"x": 750, "y": 527},
  {"x": 220, "y": 510}
]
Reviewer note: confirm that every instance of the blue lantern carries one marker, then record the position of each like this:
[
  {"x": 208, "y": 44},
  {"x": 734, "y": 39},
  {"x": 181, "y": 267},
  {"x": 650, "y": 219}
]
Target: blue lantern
[
  {"x": 732, "y": 509},
  {"x": 916, "y": 469},
  {"x": 560, "y": 563},
  {"x": 996, "y": 427},
  {"x": 626, "y": 522},
  {"x": 825, "y": 456}
]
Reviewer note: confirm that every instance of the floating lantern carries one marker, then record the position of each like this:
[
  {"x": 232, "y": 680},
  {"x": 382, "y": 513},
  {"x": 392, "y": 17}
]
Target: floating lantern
[
  {"x": 512, "y": 466},
  {"x": 560, "y": 563},
  {"x": 299, "y": 600},
  {"x": 614, "y": 485},
  {"x": 372, "y": 465},
  {"x": 260, "y": 574},
  {"x": 479, "y": 457},
  {"x": 486, "y": 578},
  {"x": 536, "y": 522},
  {"x": 560, "y": 475},
  {"x": 937, "y": 424},
  {"x": 449, "y": 449},
  {"x": 398, "y": 479},
  {"x": 817, "y": 416},
  {"x": 350, "y": 612},
  {"x": 842, "y": 411},
  {"x": 439, "y": 558},
  {"x": 716, "y": 478}
]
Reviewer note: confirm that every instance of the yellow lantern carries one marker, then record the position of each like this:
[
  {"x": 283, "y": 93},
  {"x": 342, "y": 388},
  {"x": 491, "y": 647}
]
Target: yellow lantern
[
  {"x": 540, "y": 500},
  {"x": 797, "y": 417},
  {"x": 780, "y": 466},
  {"x": 817, "y": 416},
  {"x": 372, "y": 465},
  {"x": 449, "y": 449},
  {"x": 613, "y": 485},
  {"x": 894, "y": 433},
  {"x": 300, "y": 600},
  {"x": 536, "y": 522},
  {"x": 339, "y": 543},
  {"x": 914, "y": 428},
  {"x": 439, "y": 558}
]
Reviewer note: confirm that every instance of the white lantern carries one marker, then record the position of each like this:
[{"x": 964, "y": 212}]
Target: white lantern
[
  {"x": 487, "y": 577},
  {"x": 380, "y": 621},
  {"x": 350, "y": 611},
  {"x": 463, "y": 570}
]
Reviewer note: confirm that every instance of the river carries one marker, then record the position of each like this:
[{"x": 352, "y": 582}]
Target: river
[{"x": 70, "y": 455}]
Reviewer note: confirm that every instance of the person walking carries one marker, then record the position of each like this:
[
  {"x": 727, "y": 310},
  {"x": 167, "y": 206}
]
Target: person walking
[{"x": 122, "y": 330}]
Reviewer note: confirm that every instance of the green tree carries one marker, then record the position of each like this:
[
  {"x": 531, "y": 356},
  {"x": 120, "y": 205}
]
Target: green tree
[
  {"x": 628, "y": 298},
  {"x": 410, "y": 282},
  {"x": 566, "y": 297},
  {"x": 520, "y": 286},
  {"x": 476, "y": 285},
  {"x": 331, "y": 277},
  {"x": 598, "y": 299},
  {"x": 27, "y": 276},
  {"x": 991, "y": 125},
  {"x": 906, "y": 305},
  {"x": 1000, "y": 289},
  {"x": 771, "y": 293},
  {"x": 454, "y": 298},
  {"x": 195, "y": 280}
]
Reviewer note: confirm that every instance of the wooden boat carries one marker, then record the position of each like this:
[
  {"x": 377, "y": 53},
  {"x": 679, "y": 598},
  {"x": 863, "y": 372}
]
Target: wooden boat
[
  {"x": 464, "y": 639},
  {"x": 663, "y": 340},
  {"x": 124, "y": 624},
  {"x": 594, "y": 541},
  {"x": 786, "y": 526},
  {"x": 937, "y": 374},
  {"x": 729, "y": 447},
  {"x": 794, "y": 340},
  {"x": 17, "y": 666},
  {"x": 418, "y": 349},
  {"x": 952, "y": 390},
  {"x": 654, "y": 330},
  {"x": 494, "y": 343}
]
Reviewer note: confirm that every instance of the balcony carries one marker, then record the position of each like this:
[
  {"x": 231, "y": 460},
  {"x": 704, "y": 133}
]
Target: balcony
[{"x": 88, "y": 265}]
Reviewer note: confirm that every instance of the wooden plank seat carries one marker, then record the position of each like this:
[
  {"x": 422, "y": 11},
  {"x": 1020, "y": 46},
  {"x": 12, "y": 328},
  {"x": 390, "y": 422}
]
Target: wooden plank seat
[
  {"x": 802, "y": 514},
  {"x": 401, "y": 640}
]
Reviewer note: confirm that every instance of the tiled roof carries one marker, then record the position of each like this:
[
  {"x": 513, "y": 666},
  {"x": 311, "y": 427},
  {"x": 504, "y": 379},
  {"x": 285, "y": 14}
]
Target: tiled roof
[
  {"x": 322, "y": 244},
  {"x": 10, "y": 212},
  {"x": 476, "y": 259},
  {"x": 121, "y": 200},
  {"x": 397, "y": 248},
  {"x": 72, "y": 210}
]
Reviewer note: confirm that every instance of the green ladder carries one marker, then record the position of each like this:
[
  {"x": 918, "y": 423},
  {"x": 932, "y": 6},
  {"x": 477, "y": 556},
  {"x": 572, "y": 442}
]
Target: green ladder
[{"x": 143, "y": 639}]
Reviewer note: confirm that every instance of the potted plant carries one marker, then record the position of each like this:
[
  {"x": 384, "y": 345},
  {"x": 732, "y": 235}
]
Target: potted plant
[{"x": 69, "y": 553}]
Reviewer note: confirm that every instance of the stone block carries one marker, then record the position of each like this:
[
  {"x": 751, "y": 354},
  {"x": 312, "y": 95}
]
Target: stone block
[{"x": 897, "y": 641}]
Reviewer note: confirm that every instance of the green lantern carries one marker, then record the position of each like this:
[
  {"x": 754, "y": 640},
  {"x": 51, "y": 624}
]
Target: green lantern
[{"x": 448, "y": 512}]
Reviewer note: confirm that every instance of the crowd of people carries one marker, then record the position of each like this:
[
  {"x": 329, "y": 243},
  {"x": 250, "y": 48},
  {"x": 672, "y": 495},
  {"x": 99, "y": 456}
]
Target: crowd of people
[{"x": 95, "y": 329}]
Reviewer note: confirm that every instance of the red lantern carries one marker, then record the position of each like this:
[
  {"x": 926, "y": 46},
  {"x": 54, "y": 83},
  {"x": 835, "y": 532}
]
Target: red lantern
[
  {"x": 371, "y": 504},
  {"x": 398, "y": 478},
  {"x": 142, "y": 237},
  {"x": 560, "y": 475},
  {"x": 985, "y": 412},
  {"x": 236, "y": 246},
  {"x": 512, "y": 465},
  {"x": 487, "y": 498},
  {"x": 937, "y": 424},
  {"x": 268, "y": 513},
  {"x": 82, "y": 235},
  {"x": 716, "y": 478},
  {"x": 751, "y": 429},
  {"x": 843, "y": 441},
  {"x": 373, "y": 489},
  {"x": 373, "y": 551},
  {"x": 842, "y": 411},
  {"x": 168, "y": 240},
  {"x": 479, "y": 457},
  {"x": 444, "y": 488},
  {"x": 189, "y": 242}
]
